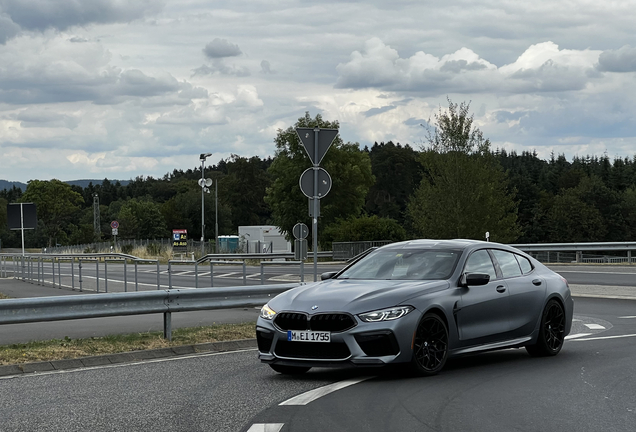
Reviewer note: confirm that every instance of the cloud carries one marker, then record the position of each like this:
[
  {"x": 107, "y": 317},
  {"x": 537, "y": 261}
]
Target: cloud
[
  {"x": 620, "y": 60},
  {"x": 40, "y": 15},
  {"x": 542, "y": 67},
  {"x": 376, "y": 111},
  {"x": 221, "y": 48},
  {"x": 218, "y": 67},
  {"x": 266, "y": 68}
]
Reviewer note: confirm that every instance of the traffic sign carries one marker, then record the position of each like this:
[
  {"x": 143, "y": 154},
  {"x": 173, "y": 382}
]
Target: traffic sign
[
  {"x": 308, "y": 139},
  {"x": 114, "y": 224},
  {"x": 300, "y": 231},
  {"x": 115, "y": 231},
  {"x": 307, "y": 183}
]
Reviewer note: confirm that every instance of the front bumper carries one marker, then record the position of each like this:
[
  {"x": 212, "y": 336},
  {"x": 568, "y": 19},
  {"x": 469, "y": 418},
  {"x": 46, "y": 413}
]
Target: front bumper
[{"x": 366, "y": 344}]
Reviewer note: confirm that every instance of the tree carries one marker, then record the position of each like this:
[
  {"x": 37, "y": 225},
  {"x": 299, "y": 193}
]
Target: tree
[
  {"x": 56, "y": 204},
  {"x": 141, "y": 219},
  {"x": 365, "y": 228},
  {"x": 244, "y": 190},
  {"x": 349, "y": 167},
  {"x": 397, "y": 173},
  {"x": 464, "y": 190}
]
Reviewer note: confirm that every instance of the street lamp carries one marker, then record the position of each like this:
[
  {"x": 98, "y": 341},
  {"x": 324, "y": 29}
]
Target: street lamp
[{"x": 204, "y": 183}]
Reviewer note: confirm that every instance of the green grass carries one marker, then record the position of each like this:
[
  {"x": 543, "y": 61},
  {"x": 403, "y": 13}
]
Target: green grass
[{"x": 67, "y": 348}]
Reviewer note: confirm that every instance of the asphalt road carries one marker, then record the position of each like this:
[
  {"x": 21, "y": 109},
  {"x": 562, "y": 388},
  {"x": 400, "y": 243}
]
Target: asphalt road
[{"x": 587, "y": 387}]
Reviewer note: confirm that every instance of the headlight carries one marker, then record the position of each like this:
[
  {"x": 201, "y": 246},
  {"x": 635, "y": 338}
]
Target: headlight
[
  {"x": 385, "y": 314},
  {"x": 267, "y": 313}
]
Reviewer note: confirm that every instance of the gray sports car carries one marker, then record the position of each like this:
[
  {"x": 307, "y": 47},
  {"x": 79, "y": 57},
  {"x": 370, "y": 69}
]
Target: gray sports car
[{"x": 418, "y": 302}]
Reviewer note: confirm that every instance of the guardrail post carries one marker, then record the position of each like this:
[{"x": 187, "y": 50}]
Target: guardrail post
[
  {"x": 629, "y": 257},
  {"x": 244, "y": 273},
  {"x": 23, "y": 258},
  {"x": 39, "y": 264},
  {"x": 73, "y": 273},
  {"x": 167, "y": 325},
  {"x": 136, "y": 281},
  {"x": 158, "y": 276},
  {"x": 97, "y": 273},
  {"x": 59, "y": 272},
  {"x": 125, "y": 278},
  {"x": 105, "y": 275},
  {"x": 169, "y": 275},
  {"x": 262, "y": 275},
  {"x": 80, "y": 272},
  {"x": 302, "y": 270},
  {"x": 53, "y": 269},
  {"x": 211, "y": 274},
  {"x": 196, "y": 274}
]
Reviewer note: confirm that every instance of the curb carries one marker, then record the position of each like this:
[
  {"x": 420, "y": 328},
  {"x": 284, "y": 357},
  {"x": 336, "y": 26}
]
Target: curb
[{"x": 125, "y": 357}]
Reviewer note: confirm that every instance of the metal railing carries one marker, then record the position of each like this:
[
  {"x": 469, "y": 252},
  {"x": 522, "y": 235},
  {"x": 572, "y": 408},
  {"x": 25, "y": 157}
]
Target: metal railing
[
  {"x": 574, "y": 252},
  {"x": 343, "y": 251},
  {"x": 41, "y": 309}
]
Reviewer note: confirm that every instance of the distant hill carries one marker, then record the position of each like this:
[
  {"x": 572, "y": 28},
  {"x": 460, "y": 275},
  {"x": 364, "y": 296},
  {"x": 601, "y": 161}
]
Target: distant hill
[
  {"x": 9, "y": 185},
  {"x": 4, "y": 184}
]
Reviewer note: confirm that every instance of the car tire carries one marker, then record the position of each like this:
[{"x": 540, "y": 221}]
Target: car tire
[
  {"x": 551, "y": 331},
  {"x": 289, "y": 370},
  {"x": 430, "y": 345}
]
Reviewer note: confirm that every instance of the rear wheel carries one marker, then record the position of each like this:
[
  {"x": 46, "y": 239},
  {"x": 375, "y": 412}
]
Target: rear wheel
[
  {"x": 551, "y": 332},
  {"x": 289, "y": 370},
  {"x": 430, "y": 345}
]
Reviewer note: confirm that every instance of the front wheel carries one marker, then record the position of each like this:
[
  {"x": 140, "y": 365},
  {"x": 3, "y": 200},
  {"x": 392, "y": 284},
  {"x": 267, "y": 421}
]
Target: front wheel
[
  {"x": 289, "y": 370},
  {"x": 551, "y": 332},
  {"x": 430, "y": 345}
]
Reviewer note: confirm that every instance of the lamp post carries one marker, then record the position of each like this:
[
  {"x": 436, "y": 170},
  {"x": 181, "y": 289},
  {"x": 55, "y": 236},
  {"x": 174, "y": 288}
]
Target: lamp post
[{"x": 204, "y": 183}]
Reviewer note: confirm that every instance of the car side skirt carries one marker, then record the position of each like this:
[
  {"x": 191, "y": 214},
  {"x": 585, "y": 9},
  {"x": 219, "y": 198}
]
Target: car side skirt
[{"x": 512, "y": 343}]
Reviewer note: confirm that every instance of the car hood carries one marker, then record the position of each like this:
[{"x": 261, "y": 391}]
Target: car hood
[{"x": 353, "y": 296}]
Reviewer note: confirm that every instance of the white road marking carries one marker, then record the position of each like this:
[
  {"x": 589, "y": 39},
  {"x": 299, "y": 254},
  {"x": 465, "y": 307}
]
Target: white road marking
[
  {"x": 266, "y": 427},
  {"x": 578, "y": 335},
  {"x": 226, "y": 275},
  {"x": 312, "y": 395},
  {"x": 628, "y": 316},
  {"x": 183, "y": 273},
  {"x": 595, "y": 326},
  {"x": 606, "y": 337}
]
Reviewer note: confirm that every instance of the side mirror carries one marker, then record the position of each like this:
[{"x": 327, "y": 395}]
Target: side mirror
[
  {"x": 475, "y": 279},
  {"x": 328, "y": 275}
]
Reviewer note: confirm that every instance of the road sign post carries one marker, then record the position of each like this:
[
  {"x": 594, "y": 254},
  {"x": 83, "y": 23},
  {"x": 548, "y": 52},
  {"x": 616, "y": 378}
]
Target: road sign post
[{"x": 316, "y": 147}]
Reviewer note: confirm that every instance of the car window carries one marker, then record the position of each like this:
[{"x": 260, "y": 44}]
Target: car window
[
  {"x": 480, "y": 262},
  {"x": 524, "y": 263},
  {"x": 507, "y": 263},
  {"x": 404, "y": 264}
]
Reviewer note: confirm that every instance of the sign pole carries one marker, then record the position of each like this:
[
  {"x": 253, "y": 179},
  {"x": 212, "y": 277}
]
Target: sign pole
[{"x": 315, "y": 221}]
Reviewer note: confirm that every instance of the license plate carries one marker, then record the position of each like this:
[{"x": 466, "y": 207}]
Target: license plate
[{"x": 308, "y": 336}]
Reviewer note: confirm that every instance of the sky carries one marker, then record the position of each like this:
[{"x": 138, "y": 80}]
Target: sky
[{"x": 119, "y": 89}]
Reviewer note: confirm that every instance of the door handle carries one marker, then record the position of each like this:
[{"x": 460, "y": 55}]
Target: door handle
[
  {"x": 501, "y": 288},
  {"x": 536, "y": 282}
]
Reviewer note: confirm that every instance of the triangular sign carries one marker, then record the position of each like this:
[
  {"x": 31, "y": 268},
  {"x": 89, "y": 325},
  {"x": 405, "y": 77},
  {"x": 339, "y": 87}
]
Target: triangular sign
[{"x": 308, "y": 139}]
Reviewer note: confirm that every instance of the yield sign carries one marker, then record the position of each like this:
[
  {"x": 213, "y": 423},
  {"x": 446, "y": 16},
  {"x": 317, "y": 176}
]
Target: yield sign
[{"x": 325, "y": 138}]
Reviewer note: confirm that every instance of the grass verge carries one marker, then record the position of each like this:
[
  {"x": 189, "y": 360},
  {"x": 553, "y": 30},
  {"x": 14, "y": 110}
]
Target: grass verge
[
  {"x": 67, "y": 348},
  {"x": 3, "y": 296}
]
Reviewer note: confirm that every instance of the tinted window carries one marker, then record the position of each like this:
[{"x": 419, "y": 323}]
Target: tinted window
[
  {"x": 507, "y": 263},
  {"x": 480, "y": 262},
  {"x": 404, "y": 264},
  {"x": 524, "y": 262}
]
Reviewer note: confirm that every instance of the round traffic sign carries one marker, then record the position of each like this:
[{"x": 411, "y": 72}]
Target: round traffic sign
[
  {"x": 307, "y": 182},
  {"x": 300, "y": 231},
  {"x": 114, "y": 224}
]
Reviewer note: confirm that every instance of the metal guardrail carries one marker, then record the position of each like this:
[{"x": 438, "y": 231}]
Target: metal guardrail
[
  {"x": 545, "y": 251},
  {"x": 41, "y": 309},
  {"x": 343, "y": 251}
]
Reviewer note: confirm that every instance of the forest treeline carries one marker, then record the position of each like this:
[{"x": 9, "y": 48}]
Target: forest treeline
[{"x": 454, "y": 185}]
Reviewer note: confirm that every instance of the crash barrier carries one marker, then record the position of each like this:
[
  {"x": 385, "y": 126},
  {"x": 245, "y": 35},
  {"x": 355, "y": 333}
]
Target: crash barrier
[
  {"x": 31, "y": 268},
  {"x": 46, "y": 269},
  {"x": 576, "y": 252},
  {"x": 41, "y": 309}
]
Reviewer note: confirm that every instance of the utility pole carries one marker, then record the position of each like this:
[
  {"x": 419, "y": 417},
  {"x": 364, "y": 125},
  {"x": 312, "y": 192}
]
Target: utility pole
[
  {"x": 96, "y": 218},
  {"x": 204, "y": 183}
]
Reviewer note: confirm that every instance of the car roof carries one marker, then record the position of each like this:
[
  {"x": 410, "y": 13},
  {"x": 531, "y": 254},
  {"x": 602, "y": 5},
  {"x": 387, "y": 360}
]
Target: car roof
[{"x": 458, "y": 244}]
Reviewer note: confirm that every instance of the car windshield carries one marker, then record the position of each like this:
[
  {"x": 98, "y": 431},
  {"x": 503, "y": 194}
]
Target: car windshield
[{"x": 404, "y": 264}]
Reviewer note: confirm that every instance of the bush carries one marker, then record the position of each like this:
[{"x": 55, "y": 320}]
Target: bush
[
  {"x": 126, "y": 249},
  {"x": 154, "y": 249}
]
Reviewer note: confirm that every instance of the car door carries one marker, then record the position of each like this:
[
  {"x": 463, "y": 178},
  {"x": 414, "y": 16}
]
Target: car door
[
  {"x": 526, "y": 291},
  {"x": 483, "y": 312}
]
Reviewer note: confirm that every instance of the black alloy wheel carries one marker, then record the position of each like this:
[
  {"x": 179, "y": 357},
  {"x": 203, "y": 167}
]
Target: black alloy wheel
[
  {"x": 430, "y": 345},
  {"x": 551, "y": 333},
  {"x": 289, "y": 370}
]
